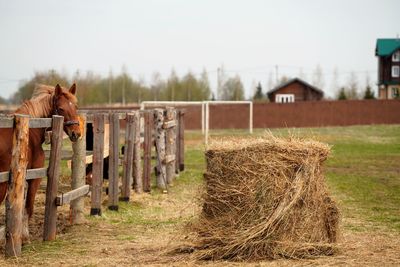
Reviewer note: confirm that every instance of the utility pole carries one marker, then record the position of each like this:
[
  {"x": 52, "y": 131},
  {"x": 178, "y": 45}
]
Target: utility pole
[
  {"x": 276, "y": 74},
  {"x": 123, "y": 89},
  {"x": 124, "y": 75},
  {"x": 109, "y": 86},
  {"x": 218, "y": 84}
]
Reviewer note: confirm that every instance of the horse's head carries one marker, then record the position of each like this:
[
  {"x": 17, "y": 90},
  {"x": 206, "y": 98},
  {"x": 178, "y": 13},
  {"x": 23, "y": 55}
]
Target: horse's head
[{"x": 65, "y": 104}]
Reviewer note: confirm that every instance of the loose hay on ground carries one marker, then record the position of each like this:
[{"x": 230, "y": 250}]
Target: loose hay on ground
[{"x": 265, "y": 198}]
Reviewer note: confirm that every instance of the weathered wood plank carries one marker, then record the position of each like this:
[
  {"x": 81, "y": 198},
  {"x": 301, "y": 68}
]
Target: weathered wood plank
[
  {"x": 113, "y": 174},
  {"x": 90, "y": 118},
  {"x": 98, "y": 150},
  {"x": 128, "y": 157},
  {"x": 170, "y": 146},
  {"x": 6, "y": 122},
  {"x": 35, "y": 173},
  {"x": 30, "y": 174},
  {"x": 147, "y": 145},
  {"x": 169, "y": 159},
  {"x": 68, "y": 197},
  {"x": 78, "y": 172},
  {"x": 177, "y": 143},
  {"x": 50, "y": 218},
  {"x": 4, "y": 176},
  {"x": 16, "y": 187},
  {"x": 137, "y": 177},
  {"x": 160, "y": 147},
  {"x": 181, "y": 141},
  {"x": 169, "y": 124},
  {"x": 40, "y": 122}
]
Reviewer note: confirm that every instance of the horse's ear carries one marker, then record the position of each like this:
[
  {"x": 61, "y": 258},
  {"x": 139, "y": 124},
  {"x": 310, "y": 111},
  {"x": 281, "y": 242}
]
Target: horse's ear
[
  {"x": 72, "y": 90},
  {"x": 58, "y": 90}
]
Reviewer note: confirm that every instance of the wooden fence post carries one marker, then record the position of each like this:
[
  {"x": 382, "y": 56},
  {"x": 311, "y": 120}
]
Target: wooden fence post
[
  {"x": 138, "y": 182},
  {"x": 78, "y": 172},
  {"x": 113, "y": 174},
  {"x": 128, "y": 158},
  {"x": 16, "y": 186},
  {"x": 170, "y": 145},
  {"x": 177, "y": 148},
  {"x": 98, "y": 158},
  {"x": 160, "y": 147},
  {"x": 181, "y": 141},
  {"x": 53, "y": 172},
  {"x": 147, "y": 145}
]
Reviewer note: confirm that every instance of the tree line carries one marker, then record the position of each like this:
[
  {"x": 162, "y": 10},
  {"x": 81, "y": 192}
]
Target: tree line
[{"x": 123, "y": 88}]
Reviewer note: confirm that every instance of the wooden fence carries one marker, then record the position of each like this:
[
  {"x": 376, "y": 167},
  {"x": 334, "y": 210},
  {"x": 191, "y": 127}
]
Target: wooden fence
[{"x": 165, "y": 127}]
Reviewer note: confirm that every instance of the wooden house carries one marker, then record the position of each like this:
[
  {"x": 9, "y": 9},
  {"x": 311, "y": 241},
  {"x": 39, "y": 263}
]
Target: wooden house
[
  {"x": 388, "y": 53},
  {"x": 295, "y": 90}
]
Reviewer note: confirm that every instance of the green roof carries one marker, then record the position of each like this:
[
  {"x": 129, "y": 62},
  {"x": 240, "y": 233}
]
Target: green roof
[{"x": 386, "y": 47}]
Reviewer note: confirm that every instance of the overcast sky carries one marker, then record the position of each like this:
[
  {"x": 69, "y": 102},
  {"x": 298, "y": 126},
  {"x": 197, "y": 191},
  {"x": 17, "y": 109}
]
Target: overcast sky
[{"x": 248, "y": 37}]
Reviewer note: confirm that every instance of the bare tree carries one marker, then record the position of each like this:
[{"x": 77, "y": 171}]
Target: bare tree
[
  {"x": 233, "y": 89},
  {"x": 124, "y": 77},
  {"x": 335, "y": 87},
  {"x": 221, "y": 76},
  {"x": 270, "y": 83},
  {"x": 156, "y": 85},
  {"x": 302, "y": 75},
  {"x": 205, "y": 85},
  {"x": 352, "y": 86},
  {"x": 318, "y": 77}
]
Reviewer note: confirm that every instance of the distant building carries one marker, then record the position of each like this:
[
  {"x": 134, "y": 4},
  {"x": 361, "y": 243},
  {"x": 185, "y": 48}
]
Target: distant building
[
  {"x": 388, "y": 53},
  {"x": 295, "y": 90}
]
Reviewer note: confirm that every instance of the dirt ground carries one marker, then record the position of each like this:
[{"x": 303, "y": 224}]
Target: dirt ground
[
  {"x": 147, "y": 230},
  {"x": 116, "y": 240}
]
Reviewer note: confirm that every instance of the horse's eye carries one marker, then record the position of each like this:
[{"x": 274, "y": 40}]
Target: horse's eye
[{"x": 60, "y": 110}]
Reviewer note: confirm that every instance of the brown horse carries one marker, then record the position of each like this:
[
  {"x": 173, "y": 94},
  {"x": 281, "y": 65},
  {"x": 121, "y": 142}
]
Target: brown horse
[{"x": 45, "y": 102}]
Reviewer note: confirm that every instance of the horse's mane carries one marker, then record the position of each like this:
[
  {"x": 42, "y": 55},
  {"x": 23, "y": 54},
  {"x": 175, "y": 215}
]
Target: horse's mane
[
  {"x": 41, "y": 90},
  {"x": 41, "y": 102},
  {"x": 44, "y": 90}
]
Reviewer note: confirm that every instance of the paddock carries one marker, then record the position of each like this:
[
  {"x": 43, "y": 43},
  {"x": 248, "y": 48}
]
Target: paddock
[{"x": 163, "y": 128}]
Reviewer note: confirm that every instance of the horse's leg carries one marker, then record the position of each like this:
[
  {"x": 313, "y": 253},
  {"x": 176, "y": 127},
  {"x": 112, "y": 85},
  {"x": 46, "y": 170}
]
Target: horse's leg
[{"x": 33, "y": 186}]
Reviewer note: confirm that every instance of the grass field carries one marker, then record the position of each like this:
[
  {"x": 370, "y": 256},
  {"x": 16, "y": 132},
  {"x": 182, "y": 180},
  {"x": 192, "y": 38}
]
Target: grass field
[{"x": 363, "y": 175}]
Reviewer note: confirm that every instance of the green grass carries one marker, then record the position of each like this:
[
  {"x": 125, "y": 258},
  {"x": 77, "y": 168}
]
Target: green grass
[{"x": 362, "y": 172}]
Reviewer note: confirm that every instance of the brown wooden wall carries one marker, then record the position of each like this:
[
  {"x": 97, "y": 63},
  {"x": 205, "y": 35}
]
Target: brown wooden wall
[
  {"x": 385, "y": 70},
  {"x": 300, "y": 114},
  {"x": 301, "y": 92}
]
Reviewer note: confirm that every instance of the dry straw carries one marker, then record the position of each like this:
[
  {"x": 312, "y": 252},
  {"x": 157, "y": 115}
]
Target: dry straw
[{"x": 265, "y": 198}]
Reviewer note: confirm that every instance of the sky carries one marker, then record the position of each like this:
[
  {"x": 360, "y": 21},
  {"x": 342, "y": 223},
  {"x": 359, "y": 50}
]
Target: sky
[{"x": 249, "y": 38}]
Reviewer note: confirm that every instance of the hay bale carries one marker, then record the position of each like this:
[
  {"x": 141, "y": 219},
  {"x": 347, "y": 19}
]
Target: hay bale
[{"x": 265, "y": 198}]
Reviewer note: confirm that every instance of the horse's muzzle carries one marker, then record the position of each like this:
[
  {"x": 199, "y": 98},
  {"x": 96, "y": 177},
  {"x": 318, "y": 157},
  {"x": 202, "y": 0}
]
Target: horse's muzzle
[{"x": 74, "y": 136}]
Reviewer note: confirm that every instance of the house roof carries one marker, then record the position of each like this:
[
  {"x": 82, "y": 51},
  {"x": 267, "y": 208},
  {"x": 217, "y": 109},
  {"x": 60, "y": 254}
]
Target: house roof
[
  {"x": 386, "y": 47},
  {"x": 292, "y": 81}
]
